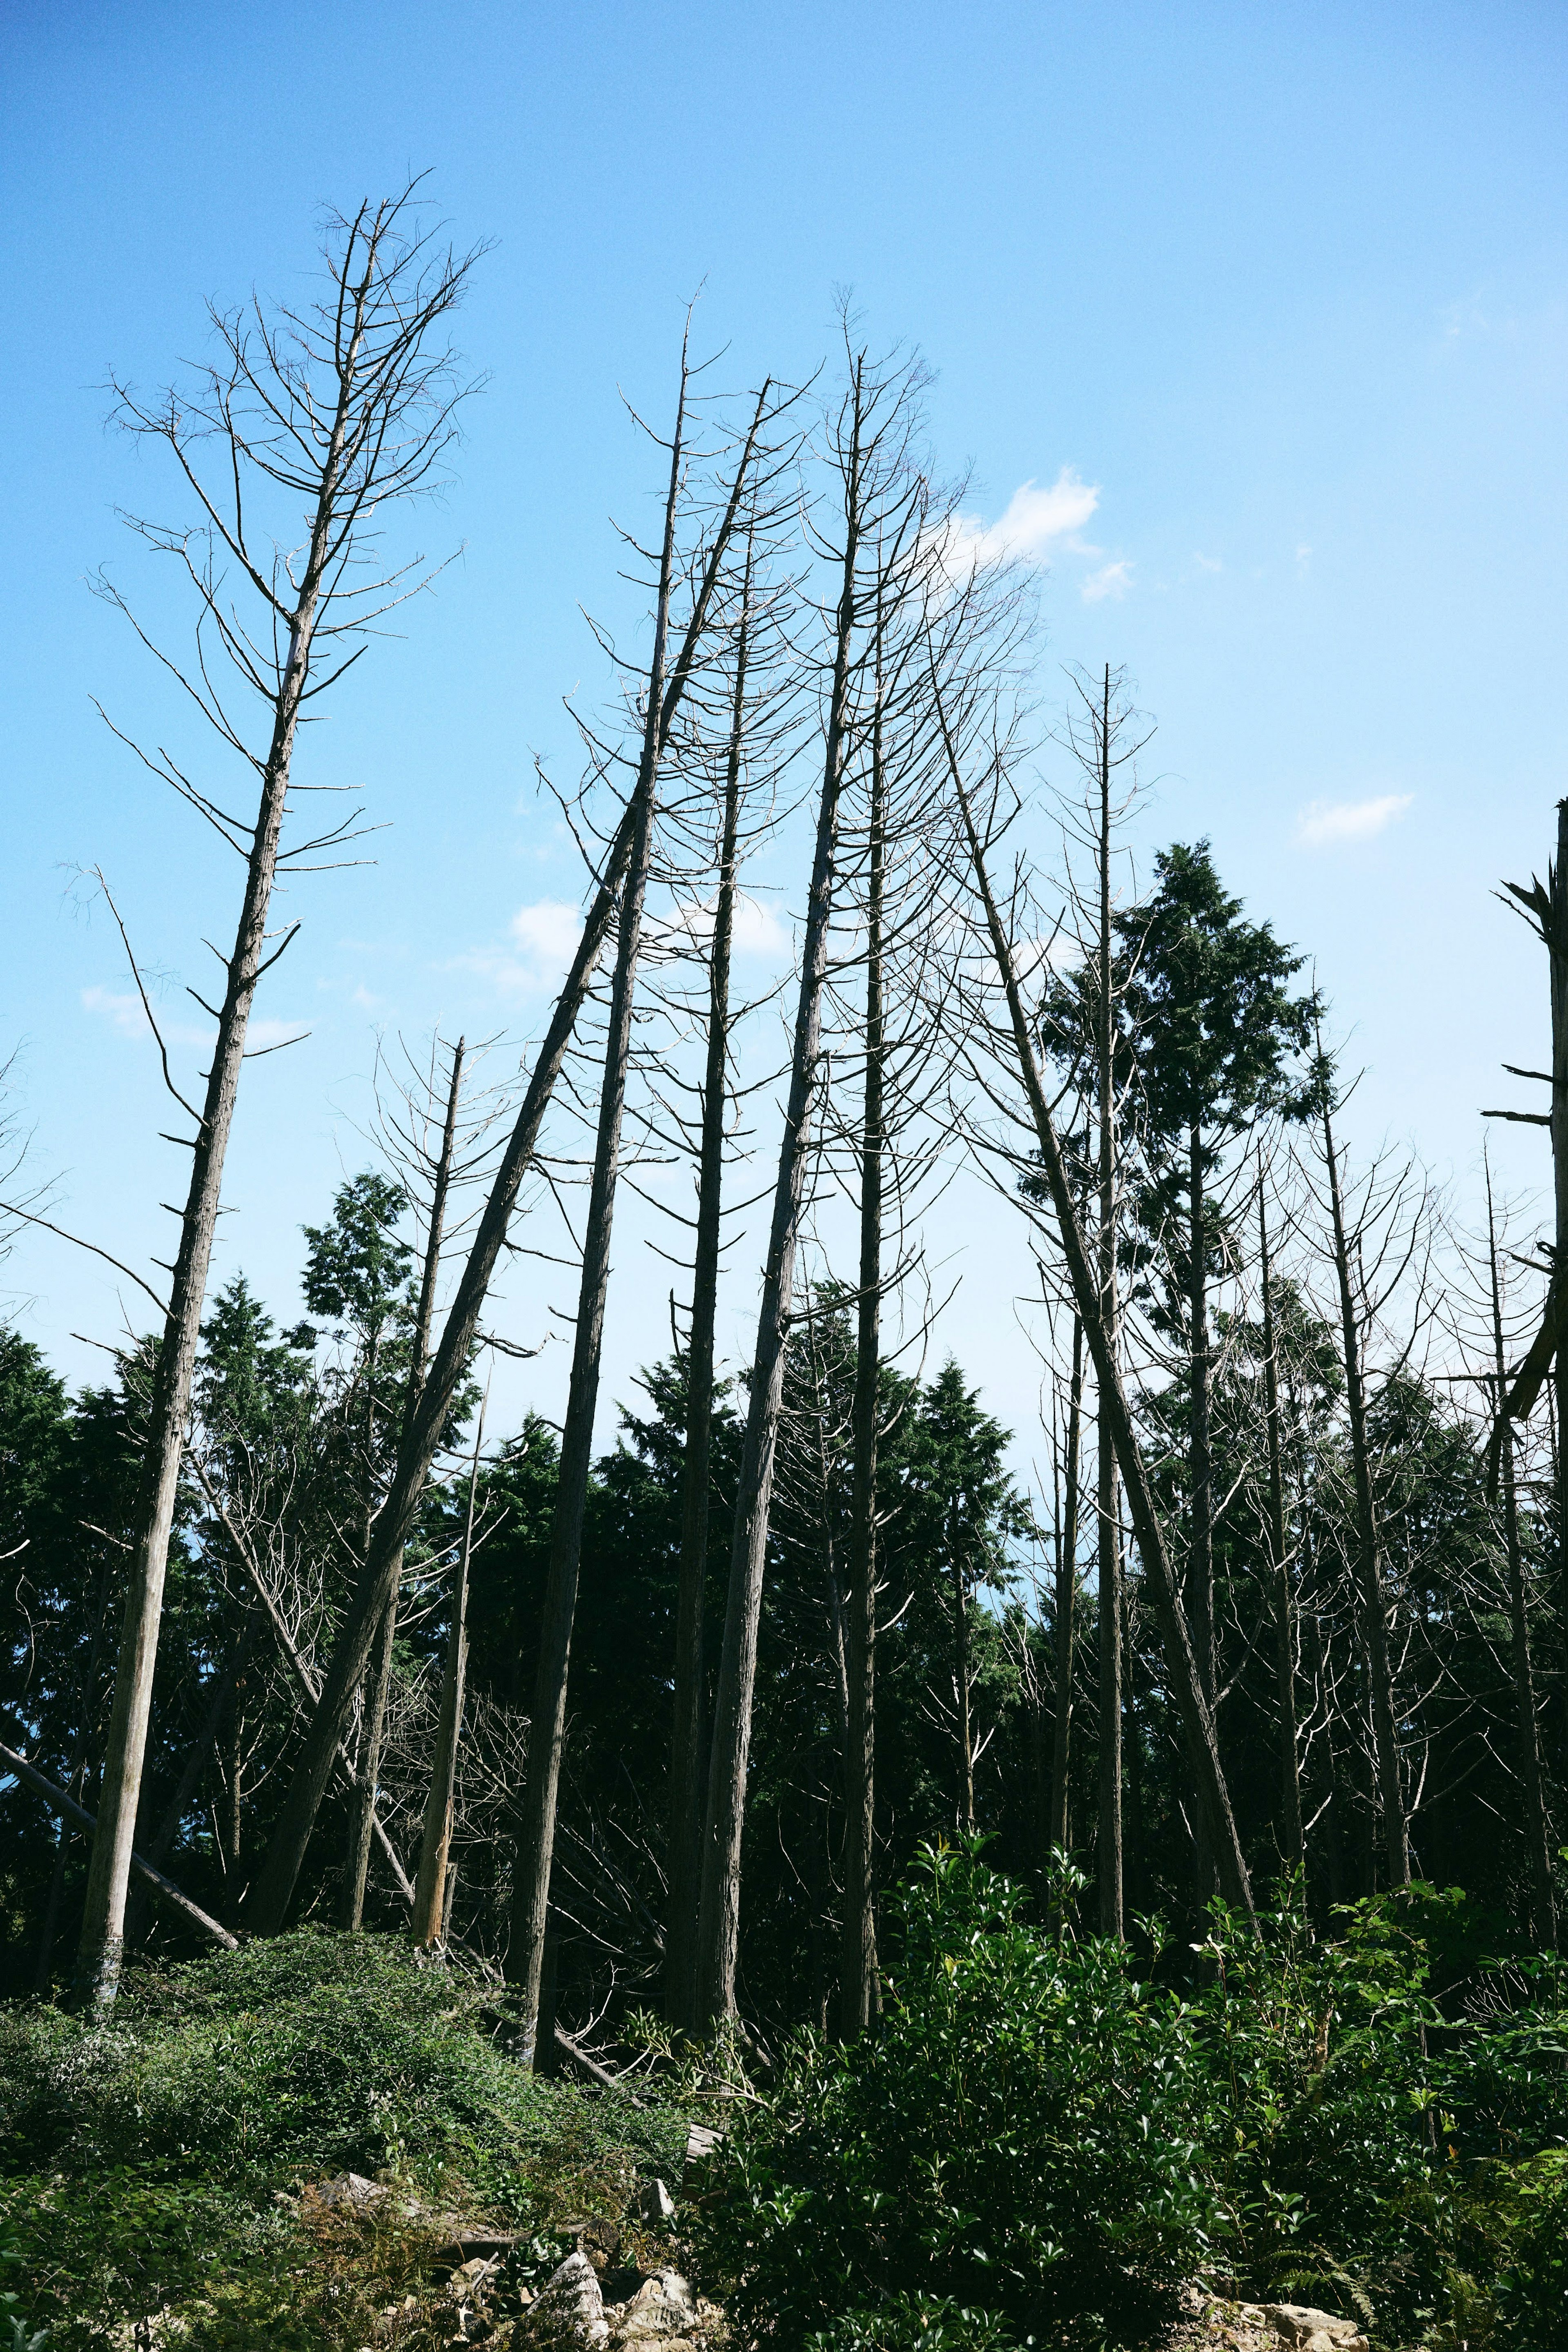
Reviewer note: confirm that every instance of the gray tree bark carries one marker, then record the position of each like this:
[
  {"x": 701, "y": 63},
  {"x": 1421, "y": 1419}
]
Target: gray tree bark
[{"x": 1292, "y": 1842}]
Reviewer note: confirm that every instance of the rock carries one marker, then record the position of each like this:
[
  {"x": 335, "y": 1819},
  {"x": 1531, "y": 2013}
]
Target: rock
[
  {"x": 701, "y": 2140},
  {"x": 1307, "y": 2330},
  {"x": 661, "y": 2312},
  {"x": 656, "y": 2203},
  {"x": 350, "y": 2189},
  {"x": 568, "y": 2314}
]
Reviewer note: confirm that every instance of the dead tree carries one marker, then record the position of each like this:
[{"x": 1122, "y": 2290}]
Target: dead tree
[
  {"x": 430, "y": 1888},
  {"x": 883, "y": 504},
  {"x": 1018, "y": 1036},
  {"x": 346, "y": 409},
  {"x": 665, "y": 688}
]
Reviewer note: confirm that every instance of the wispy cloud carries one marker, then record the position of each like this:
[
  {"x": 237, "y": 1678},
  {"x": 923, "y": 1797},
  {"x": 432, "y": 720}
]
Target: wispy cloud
[
  {"x": 1323, "y": 825},
  {"x": 543, "y": 939},
  {"x": 1110, "y": 580},
  {"x": 1033, "y": 519},
  {"x": 1206, "y": 562},
  {"x": 127, "y": 1014}
]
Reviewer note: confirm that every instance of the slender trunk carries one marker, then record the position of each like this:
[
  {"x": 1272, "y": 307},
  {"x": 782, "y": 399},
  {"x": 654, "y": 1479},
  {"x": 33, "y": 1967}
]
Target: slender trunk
[
  {"x": 1537, "y": 1829},
  {"x": 1058, "y": 1833},
  {"x": 1109, "y": 1859},
  {"x": 362, "y": 1808},
  {"x": 686, "y": 1742},
  {"x": 1373, "y": 1609},
  {"x": 1333, "y": 1806},
  {"x": 962, "y": 1678},
  {"x": 718, "y": 1927},
  {"x": 1557, "y": 963},
  {"x": 546, "y": 1724},
  {"x": 297, "y": 1815},
  {"x": 1200, "y": 1559},
  {"x": 1214, "y": 1798},
  {"x": 1293, "y": 1844},
  {"x": 436, "y": 1846},
  {"x": 103, "y": 1920},
  {"x": 858, "y": 1969}
]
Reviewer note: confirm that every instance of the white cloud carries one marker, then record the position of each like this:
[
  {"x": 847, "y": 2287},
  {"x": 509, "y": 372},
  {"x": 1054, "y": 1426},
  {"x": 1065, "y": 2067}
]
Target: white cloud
[
  {"x": 128, "y": 1015},
  {"x": 1208, "y": 563},
  {"x": 1324, "y": 824},
  {"x": 1033, "y": 519},
  {"x": 1110, "y": 580},
  {"x": 124, "y": 1011},
  {"x": 260, "y": 1035}
]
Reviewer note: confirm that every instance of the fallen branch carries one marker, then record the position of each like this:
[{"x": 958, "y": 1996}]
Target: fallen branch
[{"x": 164, "y": 1888}]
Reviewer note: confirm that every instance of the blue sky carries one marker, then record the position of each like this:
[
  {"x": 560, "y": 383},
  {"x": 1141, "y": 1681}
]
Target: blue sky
[{"x": 1274, "y": 302}]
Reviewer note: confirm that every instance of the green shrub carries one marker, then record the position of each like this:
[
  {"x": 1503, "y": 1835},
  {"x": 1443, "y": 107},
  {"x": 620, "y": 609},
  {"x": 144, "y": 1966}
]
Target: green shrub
[{"x": 1015, "y": 2138}]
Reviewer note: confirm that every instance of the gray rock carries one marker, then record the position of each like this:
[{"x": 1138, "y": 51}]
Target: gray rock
[
  {"x": 660, "y": 2312},
  {"x": 350, "y": 2189},
  {"x": 568, "y": 2315},
  {"x": 1309, "y": 2330},
  {"x": 656, "y": 2203}
]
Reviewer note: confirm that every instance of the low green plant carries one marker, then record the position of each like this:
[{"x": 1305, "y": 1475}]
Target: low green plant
[{"x": 1015, "y": 2137}]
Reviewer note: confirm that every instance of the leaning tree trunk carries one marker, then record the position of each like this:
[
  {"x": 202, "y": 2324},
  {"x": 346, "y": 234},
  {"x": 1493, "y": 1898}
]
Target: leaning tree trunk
[
  {"x": 685, "y": 1857},
  {"x": 1292, "y": 1840},
  {"x": 1198, "y": 1724},
  {"x": 1369, "y": 1574},
  {"x": 719, "y": 1929},
  {"x": 103, "y": 1920},
  {"x": 1200, "y": 1556},
  {"x": 428, "y": 1924},
  {"x": 291, "y": 1834},
  {"x": 858, "y": 1968},
  {"x": 363, "y": 1811}
]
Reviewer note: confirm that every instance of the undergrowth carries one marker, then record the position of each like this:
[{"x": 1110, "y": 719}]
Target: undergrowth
[{"x": 153, "y": 2162}]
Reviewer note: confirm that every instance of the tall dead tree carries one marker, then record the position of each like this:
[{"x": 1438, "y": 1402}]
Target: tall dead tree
[
  {"x": 436, "y": 1843},
  {"x": 1187, "y": 1689},
  {"x": 665, "y": 686},
  {"x": 883, "y": 504},
  {"x": 345, "y": 408},
  {"x": 270, "y": 1896}
]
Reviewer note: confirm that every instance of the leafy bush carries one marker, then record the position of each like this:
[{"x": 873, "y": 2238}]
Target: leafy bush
[
  {"x": 1032, "y": 2133},
  {"x": 1016, "y": 2136}
]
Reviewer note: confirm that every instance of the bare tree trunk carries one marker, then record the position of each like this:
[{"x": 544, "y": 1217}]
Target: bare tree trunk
[
  {"x": 1373, "y": 1609},
  {"x": 686, "y": 1742},
  {"x": 220, "y": 1701},
  {"x": 1059, "y": 1831},
  {"x": 435, "y": 1845},
  {"x": 374, "y": 370},
  {"x": 547, "y": 1726},
  {"x": 362, "y": 1807},
  {"x": 417, "y": 1450},
  {"x": 1109, "y": 1859},
  {"x": 1200, "y": 1558},
  {"x": 68, "y": 1809},
  {"x": 1292, "y": 1841},
  {"x": 719, "y": 1929},
  {"x": 1213, "y": 1797},
  {"x": 858, "y": 1968},
  {"x": 1537, "y": 1831}
]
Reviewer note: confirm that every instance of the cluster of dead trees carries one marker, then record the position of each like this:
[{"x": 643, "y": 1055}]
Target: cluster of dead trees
[{"x": 1317, "y": 1494}]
